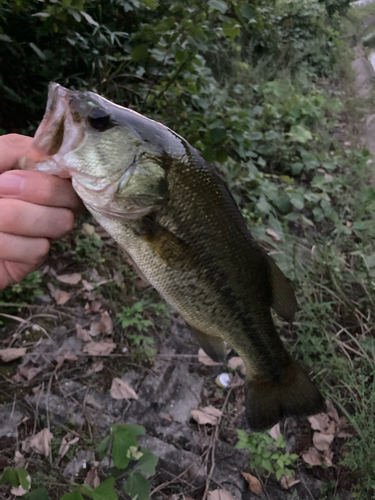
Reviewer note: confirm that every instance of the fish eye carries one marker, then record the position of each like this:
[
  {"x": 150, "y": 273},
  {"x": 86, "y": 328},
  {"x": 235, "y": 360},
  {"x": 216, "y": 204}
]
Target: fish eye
[{"x": 99, "y": 119}]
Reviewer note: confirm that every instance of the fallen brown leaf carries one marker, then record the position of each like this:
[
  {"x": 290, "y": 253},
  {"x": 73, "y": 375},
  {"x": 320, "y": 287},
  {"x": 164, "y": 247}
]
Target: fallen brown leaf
[
  {"x": 41, "y": 442},
  {"x": 62, "y": 297},
  {"x": 96, "y": 367},
  {"x": 312, "y": 457},
  {"x": 66, "y": 442},
  {"x": 12, "y": 353},
  {"x": 92, "y": 478},
  {"x": 274, "y": 235},
  {"x": 219, "y": 495},
  {"x": 87, "y": 286},
  {"x": 166, "y": 416},
  {"x": 287, "y": 482},
  {"x": 253, "y": 482},
  {"x": 99, "y": 348},
  {"x": 206, "y": 360},
  {"x": 275, "y": 432},
  {"x": 122, "y": 390},
  {"x": 19, "y": 460},
  {"x": 207, "y": 415},
  {"x": 328, "y": 456},
  {"x": 236, "y": 381},
  {"x": 70, "y": 279},
  {"x": 237, "y": 362},
  {"x": 83, "y": 334},
  {"x": 322, "y": 441},
  {"x": 29, "y": 371},
  {"x": 322, "y": 423},
  {"x": 332, "y": 412}
]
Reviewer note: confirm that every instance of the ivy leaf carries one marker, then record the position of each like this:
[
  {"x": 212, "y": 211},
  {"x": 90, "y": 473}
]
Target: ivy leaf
[
  {"x": 148, "y": 461},
  {"x": 122, "y": 441},
  {"x": 218, "y": 5},
  {"x": 137, "y": 485},
  {"x": 105, "y": 490}
]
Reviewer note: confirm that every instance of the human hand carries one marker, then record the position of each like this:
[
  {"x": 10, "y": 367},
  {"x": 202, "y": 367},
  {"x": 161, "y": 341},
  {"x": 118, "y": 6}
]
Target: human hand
[{"x": 34, "y": 208}]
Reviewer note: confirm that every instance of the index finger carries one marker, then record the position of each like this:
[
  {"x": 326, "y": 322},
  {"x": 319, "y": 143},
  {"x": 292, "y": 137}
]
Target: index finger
[{"x": 12, "y": 148}]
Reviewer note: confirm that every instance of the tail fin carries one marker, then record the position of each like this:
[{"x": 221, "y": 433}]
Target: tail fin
[{"x": 267, "y": 402}]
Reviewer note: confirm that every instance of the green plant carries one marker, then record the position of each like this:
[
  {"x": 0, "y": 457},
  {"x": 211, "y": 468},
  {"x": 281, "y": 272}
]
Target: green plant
[
  {"x": 132, "y": 316},
  {"x": 87, "y": 247},
  {"x": 26, "y": 291},
  {"x": 266, "y": 454}
]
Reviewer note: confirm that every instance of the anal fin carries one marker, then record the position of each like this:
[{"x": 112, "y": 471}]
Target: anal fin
[
  {"x": 214, "y": 347},
  {"x": 283, "y": 299}
]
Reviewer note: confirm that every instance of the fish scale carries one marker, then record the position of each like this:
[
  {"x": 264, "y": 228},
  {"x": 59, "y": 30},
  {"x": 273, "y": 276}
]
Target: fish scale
[{"x": 163, "y": 204}]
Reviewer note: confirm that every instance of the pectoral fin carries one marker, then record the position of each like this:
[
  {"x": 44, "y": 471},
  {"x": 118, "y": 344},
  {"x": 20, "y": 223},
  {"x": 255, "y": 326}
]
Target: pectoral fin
[
  {"x": 283, "y": 299},
  {"x": 170, "y": 248},
  {"x": 212, "y": 346}
]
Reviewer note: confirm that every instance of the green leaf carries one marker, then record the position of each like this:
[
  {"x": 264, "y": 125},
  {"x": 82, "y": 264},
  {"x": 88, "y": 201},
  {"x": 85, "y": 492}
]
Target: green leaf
[
  {"x": 38, "y": 494},
  {"x": 37, "y": 51},
  {"x": 10, "y": 476},
  {"x": 22, "y": 475},
  {"x": 150, "y": 4},
  {"x": 74, "y": 495},
  {"x": 137, "y": 485},
  {"x": 218, "y": 5},
  {"x": 231, "y": 29},
  {"x": 218, "y": 134},
  {"x": 105, "y": 490},
  {"x": 299, "y": 133},
  {"x": 137, "y": 430},
  {"x": 140, "y": 52},
  {"x": 102, "y": 447},
  {"x": 122, "y": 441},
  {"x": 283, "y": 203},
  {"x": 148, "y": 461}
]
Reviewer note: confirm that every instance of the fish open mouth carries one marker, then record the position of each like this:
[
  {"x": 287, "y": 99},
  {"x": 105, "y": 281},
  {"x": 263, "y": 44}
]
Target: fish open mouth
[{"x": 56, "y": 135}]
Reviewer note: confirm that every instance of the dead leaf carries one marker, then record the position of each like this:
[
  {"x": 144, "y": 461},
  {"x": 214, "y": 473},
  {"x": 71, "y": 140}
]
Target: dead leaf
[
  {"x": 95, "y": 329},
  {"x": 66, "y": 442},
  {"x": 95, "y": 306},
  {"x": 62, "y": 297},
  {"x": 332, "y": 412},
  {"x": 207, "y": 415},
  {"x": 122, "y": 390},
  {"x": 219, "y": 495},
  {"x": 70, "y": 279},
  {"x": 275, "y": 432},
  {"x": 64, "y": 356},
  {"x": 99, "y": 348},
  {"x": 237, "y": 362},
  {"x": 96, "y": 367},
  {"x": 322, "y": 441},
  {"x": 19, "y": 460},
  {"x": 166, "y": 416},
  {"x": 12, "y": 353},
  {"x": 287, "y": 482},
  {"x": 29, "y": 371},
  {"x": 312, "y": 457},
  {"x": 328, "y": 456},
  {"x": 274, "y": 235},
  {"x": 322, "y": 423},
  {"x": 206, "y": 360},
  {"x": 41, "y": 442},
  {"x": 87, "y": 286},
  {"x": 83, "y": 334},
  {"x": 92, "y": 478},
  {"x": 254, "y": 483}
]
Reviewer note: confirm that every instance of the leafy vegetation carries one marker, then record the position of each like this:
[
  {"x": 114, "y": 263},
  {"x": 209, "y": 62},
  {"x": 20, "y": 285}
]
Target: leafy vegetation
[{"x": 257, "y": 88}]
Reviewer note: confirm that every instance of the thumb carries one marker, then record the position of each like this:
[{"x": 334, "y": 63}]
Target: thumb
[{"x": 12, "y": 148}]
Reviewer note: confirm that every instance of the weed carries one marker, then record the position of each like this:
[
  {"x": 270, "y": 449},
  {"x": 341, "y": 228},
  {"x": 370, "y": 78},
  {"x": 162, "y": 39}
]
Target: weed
[
  {"x": 266, "y": 454},
  {"x": 26, "y": 291}
]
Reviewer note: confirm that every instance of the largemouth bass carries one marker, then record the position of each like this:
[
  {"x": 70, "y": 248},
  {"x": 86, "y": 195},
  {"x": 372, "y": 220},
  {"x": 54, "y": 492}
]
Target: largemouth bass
[{"x": 162, "y": 203}]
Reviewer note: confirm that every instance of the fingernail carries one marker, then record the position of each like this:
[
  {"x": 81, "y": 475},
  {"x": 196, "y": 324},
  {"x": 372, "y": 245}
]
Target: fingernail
[{"x": 11, "y": 184}]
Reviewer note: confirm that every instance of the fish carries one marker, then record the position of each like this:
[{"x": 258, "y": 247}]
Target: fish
[{"x": 174, "y": 215}]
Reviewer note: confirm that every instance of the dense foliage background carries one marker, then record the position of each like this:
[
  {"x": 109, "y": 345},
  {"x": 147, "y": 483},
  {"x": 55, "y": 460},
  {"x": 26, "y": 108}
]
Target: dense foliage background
[{"x": 256, "y": 87}]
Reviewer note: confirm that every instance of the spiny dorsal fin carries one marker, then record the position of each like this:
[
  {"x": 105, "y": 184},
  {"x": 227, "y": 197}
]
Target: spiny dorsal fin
[
  {"x": 283, "y": 299},
  {"x": 214, "y": 347},
  {"x": 169, "y": 247}
]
